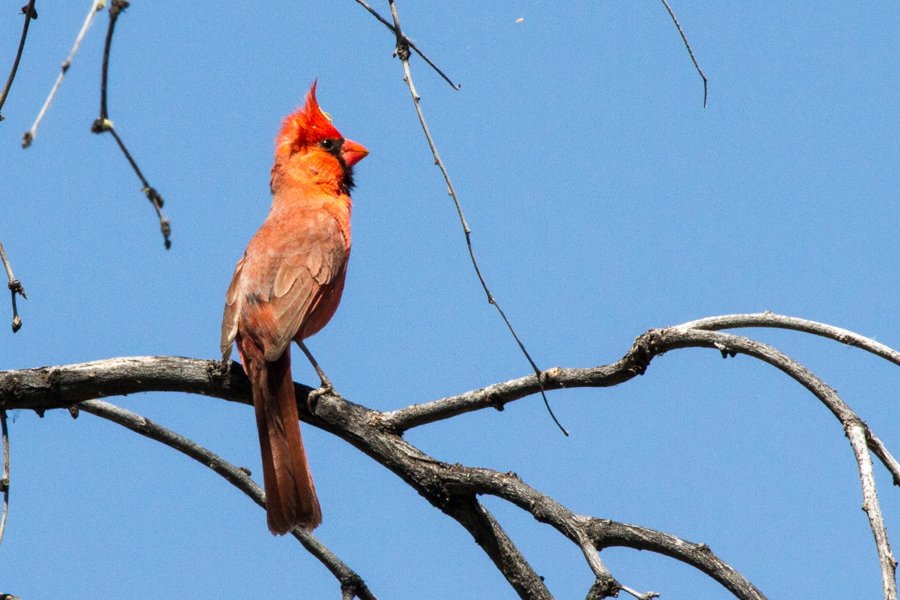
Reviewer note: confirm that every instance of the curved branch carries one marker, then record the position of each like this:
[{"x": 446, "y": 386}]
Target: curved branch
[
  {"x": 453, "y": 488},
  {"x": 844, "y": 336},
  {"x": 772, "y": 320},
  {"x": 607, "y": 534},
  {"x": 602, "y": 533},
  {"x": 856, "y": 430},
  {"x": 450, "y": 488},
  {"x": 351, "y": 582}
]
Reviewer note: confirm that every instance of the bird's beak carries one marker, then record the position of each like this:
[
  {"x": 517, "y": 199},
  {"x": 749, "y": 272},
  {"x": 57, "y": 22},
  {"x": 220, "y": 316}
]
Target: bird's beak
[{"x": 352, "y": 152}]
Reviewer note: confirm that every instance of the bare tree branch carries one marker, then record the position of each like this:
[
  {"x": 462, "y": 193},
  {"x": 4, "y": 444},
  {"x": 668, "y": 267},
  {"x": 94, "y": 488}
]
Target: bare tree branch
[
  {"x": 451, "y": 488},
  {"x": 30, "y": 13},
  {"x": 605, "y": 585},
  {"x": 856, "y": 432},
  {"x": 103, "y": 123},
  {"x": 351, "y": 582},
  {"x": 488, "y": 534},
  {"x": 772, "y": 320},
  {"x": 657, "y": 342},
  {"x": 15, "y": 287},
  {"x": 458, "y": 479},
  {"x": 844, "y": 336},
  {"x": 96, "y": 7},
  {"x": 403, "y": 53},
  {"x": 639, "y": 596},
  {"x": 688, "y": 46},
  {"x": 606, "y": 534},
  {"x": 408, "y": 41}
]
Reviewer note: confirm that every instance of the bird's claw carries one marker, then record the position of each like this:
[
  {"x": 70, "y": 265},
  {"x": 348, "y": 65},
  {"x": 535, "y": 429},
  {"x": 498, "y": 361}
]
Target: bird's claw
[{"x": 312, "y": 399}]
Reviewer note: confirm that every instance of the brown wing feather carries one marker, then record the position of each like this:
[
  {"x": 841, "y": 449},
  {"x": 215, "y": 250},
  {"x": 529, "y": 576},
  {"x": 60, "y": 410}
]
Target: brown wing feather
[
  {"x": 307, "y": 268},
  {"x": 232, "y": 312},
  {"x": 292, "y": 308}
]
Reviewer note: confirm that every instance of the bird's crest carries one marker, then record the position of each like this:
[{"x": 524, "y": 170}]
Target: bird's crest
[{"x": 304, "y": 127}]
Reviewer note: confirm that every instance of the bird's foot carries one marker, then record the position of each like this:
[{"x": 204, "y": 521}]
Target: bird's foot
[{"x": 312, "y": 399}]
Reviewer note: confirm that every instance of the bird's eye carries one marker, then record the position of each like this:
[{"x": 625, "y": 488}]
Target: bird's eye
[{"x": 327, "y": 144}]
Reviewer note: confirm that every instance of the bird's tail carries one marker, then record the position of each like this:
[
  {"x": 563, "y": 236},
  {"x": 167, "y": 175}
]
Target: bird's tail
[{"x": 290, "y": 494}]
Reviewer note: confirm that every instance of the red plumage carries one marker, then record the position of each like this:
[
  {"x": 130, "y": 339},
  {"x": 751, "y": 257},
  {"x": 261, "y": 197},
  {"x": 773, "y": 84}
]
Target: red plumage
[{"x": 287, "y": 287}]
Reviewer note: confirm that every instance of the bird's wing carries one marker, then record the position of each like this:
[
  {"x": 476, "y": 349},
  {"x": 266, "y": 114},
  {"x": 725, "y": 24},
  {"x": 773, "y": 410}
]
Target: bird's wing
[
  {"x": 309, "y": 269},
  {"x": 232, "y": 311},
  {"x": 298, "y": 262}
]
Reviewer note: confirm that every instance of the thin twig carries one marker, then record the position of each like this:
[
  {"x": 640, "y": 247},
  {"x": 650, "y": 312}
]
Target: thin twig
[
  {"x": 688, "y": 46},
  {"x": 103, "y": 123},
  {"x": 15, "y": 287},
  {"x": 96, "y": 7},
  {"x": 403, "y": 53},
  {"x": 30, "y": 14},
  {"x": 115, "y": 9},
  {"x": 639, "y": 596},
  {"x": 408, "y": 41},
  {"x": 4, "y": 481},
  {"x": 349, "y": 580}
]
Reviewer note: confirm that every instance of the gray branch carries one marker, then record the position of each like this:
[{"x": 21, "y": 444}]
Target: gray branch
[
  {"x": 451, "y": 488},
  {"x": 771, "y": 320},
  {"x": 454, "y": 488}
]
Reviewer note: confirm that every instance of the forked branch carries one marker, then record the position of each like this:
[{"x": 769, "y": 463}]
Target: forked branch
[
  {"x": 103, "y": 124},
  {"x": 412, "y": 44},
  {"x": 451, "y": 488},
  {"x": 454, "y": 488}
]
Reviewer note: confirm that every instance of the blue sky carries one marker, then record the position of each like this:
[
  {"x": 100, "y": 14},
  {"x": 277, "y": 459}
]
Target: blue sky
[{"x": 604, "y": 200}]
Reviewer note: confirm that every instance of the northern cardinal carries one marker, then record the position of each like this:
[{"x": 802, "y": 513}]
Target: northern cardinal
[{"x": 287, "y": 287}]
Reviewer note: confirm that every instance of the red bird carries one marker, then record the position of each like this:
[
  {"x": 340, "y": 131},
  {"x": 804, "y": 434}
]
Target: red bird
[{"x": 287, "y": 287}]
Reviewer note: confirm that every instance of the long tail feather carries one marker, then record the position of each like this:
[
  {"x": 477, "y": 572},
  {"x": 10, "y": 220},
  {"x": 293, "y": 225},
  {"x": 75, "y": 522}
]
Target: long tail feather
[{"x": 290, "y": 494}]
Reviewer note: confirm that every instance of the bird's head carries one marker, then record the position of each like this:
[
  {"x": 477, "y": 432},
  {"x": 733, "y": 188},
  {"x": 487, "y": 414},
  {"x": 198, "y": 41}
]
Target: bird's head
[{"x": 308, "y": 142}]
